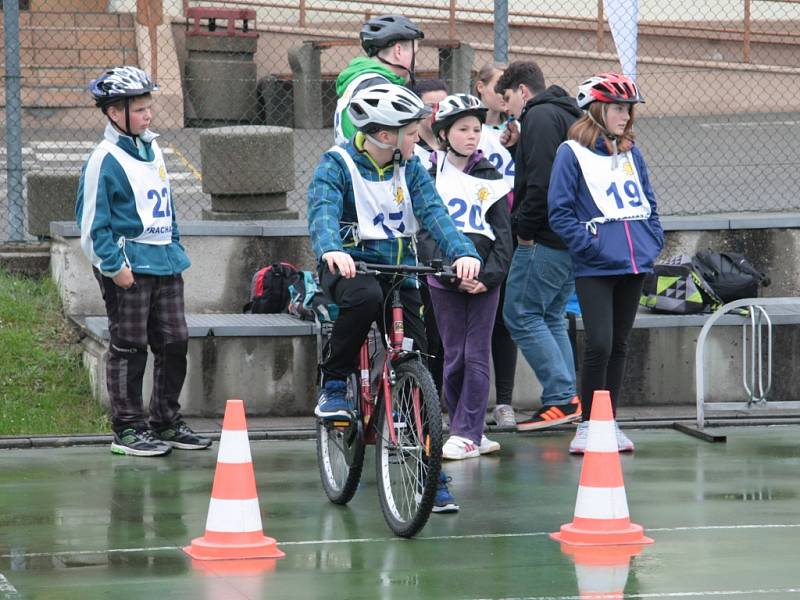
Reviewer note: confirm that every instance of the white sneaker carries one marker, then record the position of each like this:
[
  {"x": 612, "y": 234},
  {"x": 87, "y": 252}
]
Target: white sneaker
[
  {"x": 624, "y": 443},
  {"x": 504, "y": 416},
  {"x": 488, "y": 446},
  {"x": 578, "y": 443},
  {"x": 459, "y": 448}
]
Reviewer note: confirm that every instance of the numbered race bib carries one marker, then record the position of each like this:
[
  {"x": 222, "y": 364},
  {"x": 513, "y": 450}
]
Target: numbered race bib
[
  {"x": 423, "y": 155},
  {"x": 151, "y": 190},
  {"x": 497, "y": 154},
  {"x": 468, "y": 198},
  {"x": 384, "y": 213},
  {"x": 617, "y": 193}
]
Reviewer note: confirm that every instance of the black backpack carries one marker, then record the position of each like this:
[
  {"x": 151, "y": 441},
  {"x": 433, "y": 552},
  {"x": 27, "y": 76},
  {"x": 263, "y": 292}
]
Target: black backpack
[
  {"x": 730, "y": 275},
  {"x": 269, "y": 288}
]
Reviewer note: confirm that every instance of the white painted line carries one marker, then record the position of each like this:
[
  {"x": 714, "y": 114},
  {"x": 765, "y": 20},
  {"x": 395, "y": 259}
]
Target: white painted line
[
  {"x": 61, "y": 156},
  {"x": 750, "y": 124},
  {"x": 477, "y": 536},
  {"x": 53, "y": 144},
  {"x": 181, "y": 176},
  {"x": 704, "y": 594}
]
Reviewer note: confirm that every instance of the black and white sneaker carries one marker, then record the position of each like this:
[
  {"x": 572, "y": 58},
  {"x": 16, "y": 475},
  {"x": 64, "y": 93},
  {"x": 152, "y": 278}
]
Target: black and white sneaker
[
  {"x": 180, "y": 435},
  {"x": 138, "y": 442}
]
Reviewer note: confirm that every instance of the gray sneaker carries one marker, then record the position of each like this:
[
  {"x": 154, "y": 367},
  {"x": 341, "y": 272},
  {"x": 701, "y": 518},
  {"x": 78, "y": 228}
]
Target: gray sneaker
[
  {"x": 138, "y": 442},
  {"x": 578, "y": 443},
  {"x": 624, "y": 443},
  {"x": 504, "y": 417}
]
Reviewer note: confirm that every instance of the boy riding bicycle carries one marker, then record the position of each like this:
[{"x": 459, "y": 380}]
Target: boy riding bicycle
[{"x": 366, "y": 201}]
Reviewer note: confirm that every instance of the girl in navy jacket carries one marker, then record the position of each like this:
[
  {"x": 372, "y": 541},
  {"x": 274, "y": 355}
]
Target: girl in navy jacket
[{"x": 601, "y": 204}]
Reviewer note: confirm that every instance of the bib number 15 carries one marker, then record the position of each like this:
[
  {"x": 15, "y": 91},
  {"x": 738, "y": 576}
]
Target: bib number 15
[
  {"x": 633, "y": 195},
  {"x": 158, "y": 198}
]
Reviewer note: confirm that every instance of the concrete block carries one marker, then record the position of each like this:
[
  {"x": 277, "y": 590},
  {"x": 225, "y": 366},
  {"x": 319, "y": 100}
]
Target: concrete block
[
  {"x": 275, "y": 376},
  {"x": 247, "y": 159},
  {"x": 51, "y": 197},
  {"x": 305, "y": 61}
]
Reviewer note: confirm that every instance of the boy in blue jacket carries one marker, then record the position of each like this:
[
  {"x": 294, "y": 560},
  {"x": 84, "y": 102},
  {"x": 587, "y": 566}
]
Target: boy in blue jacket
[{"x": 129, "y": 233}]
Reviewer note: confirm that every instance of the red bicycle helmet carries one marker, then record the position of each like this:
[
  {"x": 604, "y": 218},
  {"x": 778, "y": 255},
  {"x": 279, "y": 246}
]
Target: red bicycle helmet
[{"x": 608, "y": 88}]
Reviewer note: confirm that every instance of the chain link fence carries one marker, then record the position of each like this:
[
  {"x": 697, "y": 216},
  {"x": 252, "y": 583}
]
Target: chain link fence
[{"x": 720, "y": 128}]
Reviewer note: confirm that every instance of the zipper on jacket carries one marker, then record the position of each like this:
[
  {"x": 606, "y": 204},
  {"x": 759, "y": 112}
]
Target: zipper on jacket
[{"x": 630, "y": 247}]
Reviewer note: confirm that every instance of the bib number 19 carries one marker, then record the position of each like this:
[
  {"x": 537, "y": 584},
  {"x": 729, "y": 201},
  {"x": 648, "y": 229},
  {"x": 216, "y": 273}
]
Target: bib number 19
[{"x": 632, "y": 192}]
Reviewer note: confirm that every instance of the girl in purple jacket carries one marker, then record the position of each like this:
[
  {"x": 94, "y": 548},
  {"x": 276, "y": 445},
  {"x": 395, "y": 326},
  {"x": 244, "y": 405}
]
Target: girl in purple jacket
[{"x": 602, "y": 206}]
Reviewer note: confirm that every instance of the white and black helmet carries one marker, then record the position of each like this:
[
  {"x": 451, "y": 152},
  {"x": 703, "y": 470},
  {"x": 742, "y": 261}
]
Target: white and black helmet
[
  {"x": 121, "y": 82},
  {"x": 385, "y": 106},
  {"x": 454, "y": 107}
]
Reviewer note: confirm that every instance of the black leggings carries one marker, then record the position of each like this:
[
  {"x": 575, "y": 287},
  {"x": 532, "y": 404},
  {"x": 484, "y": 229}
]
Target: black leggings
[
  {"x": 361, "y": 301},
  {"x": 608, "y": 306},
  {"x": 504, "y": 355}
]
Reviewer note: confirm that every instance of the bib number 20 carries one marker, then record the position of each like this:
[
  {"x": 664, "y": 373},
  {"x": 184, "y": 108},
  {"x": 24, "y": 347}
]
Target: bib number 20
[
  {"x": 158, "y": 198},
  {"x": 459, "y": 208},
  {"x": 633, "y": 194}
]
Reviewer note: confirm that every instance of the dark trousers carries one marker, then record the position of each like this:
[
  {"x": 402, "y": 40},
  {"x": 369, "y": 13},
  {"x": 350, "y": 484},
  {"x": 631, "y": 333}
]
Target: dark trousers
[
  {"x": 435, "y": 349},
  {"x": 504, "y": 355},
  {"x": 361, "y": 301},
  {"x": 608, "y": 307},
  {"x": 151, "y": 312}
]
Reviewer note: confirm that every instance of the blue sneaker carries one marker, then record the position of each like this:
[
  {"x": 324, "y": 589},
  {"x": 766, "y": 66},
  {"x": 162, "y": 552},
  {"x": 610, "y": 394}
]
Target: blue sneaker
[
  {"x": 332, "y": 402},
  {"x": 444, "y": 502}
]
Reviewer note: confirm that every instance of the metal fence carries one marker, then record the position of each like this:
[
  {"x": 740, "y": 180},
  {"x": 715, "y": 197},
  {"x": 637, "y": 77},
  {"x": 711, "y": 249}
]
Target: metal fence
[{"x": 720, "y": 128}]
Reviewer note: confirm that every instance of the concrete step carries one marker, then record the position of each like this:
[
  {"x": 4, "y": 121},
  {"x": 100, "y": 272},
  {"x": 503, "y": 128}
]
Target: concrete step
[
  {"x": 25, "y": 259},
  {"x": 52, "y": 97}
]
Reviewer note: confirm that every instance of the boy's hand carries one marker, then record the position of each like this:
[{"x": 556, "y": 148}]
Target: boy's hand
[
  {"x": 342, "y": 260},
  {"x": 124, "y": 278},
  {"x": 467, "y": 267},
  {"x": 478, "y": 288},
  {"x": 510, "y": 135}
]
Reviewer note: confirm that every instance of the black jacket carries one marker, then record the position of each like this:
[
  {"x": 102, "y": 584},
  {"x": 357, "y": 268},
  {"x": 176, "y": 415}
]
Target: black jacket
[
  {"x": 545, "y": 121},
  {"x": 496, "y": 255}
]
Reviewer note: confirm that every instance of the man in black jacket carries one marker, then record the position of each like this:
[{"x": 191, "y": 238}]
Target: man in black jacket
[{"x": 541, "y": 279}]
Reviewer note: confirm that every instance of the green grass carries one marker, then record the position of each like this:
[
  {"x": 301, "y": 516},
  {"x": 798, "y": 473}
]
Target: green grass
[{"x": 44, "y": 388}]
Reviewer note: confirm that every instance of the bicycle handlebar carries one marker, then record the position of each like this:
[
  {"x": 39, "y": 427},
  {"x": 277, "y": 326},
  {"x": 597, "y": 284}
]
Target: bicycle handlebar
[{"x": 437, "y": 268}]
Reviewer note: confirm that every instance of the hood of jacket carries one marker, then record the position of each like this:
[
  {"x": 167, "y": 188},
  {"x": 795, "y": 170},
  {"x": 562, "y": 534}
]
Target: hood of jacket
[
  {"x": 554, "y": 95},
  {"x": 363, "y": 64}
]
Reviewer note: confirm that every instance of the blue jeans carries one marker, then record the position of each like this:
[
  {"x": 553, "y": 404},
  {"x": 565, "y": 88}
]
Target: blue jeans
[{"x": 540, "y": 282}]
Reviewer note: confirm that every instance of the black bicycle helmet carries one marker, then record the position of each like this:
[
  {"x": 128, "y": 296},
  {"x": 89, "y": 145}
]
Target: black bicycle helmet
[{"x": 382, "y": 32}]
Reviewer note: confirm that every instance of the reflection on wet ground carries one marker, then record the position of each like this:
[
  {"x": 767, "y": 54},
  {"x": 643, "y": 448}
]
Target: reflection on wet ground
[{"x": 81, "y": 523}]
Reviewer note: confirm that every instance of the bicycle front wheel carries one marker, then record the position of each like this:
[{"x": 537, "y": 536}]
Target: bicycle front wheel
[
  {"x": 408, "y": 470},
  {"x": 340, "y": 453}
]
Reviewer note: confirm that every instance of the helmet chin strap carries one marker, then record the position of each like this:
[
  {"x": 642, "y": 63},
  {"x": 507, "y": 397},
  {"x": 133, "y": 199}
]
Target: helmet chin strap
[
  {"x": 410, "y": 70},
  {"x": 613, "y": 138},
  {"x": 127, "y": 129}
]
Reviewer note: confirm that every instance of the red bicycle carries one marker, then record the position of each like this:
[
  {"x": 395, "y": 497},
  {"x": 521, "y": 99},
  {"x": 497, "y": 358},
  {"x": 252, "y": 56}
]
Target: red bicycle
[{"x": 395, "y": 406}]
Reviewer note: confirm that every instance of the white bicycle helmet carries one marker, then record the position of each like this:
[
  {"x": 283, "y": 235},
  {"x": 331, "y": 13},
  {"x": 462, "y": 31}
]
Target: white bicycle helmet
[
  {"x": 119, "y": 83},
  {"x": 385, "y": 106},
  {"x": 454, "y": 107}
]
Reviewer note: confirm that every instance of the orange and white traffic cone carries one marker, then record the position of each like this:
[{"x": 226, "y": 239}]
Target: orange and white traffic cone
[
  {"x": 233, "y": 526},
  {"x": 601, "y": 509},
  {"x": 601, "y": 571}
]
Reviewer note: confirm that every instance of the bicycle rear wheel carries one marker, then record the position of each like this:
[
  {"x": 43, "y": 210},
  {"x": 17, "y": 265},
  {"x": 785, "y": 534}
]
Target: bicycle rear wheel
[
  {"x": 340, "y": 453},
  {"x": 408, "y": 472}
]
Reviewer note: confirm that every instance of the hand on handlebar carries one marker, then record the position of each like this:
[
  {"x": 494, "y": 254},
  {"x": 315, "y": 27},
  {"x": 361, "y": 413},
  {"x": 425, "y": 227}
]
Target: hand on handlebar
[
  {"x": 467, "y": 267},
  {"x": 342, "y": 261}
]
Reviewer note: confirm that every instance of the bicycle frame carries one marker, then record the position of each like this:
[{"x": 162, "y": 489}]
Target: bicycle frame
[{"x": 394, "y": 349}]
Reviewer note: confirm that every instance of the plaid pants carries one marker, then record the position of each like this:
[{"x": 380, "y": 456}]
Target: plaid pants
[{"x": 151, "y": 312}]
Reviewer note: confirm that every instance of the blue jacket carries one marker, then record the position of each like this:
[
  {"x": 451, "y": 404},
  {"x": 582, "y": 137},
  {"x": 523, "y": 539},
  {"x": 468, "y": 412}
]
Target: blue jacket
[
  {"x": 331, "y": 207},
  {"x": 617, "y": 248},
  {"x": 107, "y": 216}
]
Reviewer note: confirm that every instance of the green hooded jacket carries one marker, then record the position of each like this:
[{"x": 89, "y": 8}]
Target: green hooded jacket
[{"x": 343, "y": 128}]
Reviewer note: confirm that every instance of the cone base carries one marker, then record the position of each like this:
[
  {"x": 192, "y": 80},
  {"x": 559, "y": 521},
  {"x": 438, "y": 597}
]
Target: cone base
[
  {"x": 576, "y": 536},
  {"x": 201, "y": 549}
]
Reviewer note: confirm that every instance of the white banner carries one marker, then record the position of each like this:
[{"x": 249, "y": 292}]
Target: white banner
[{"x": 623, "y": 19}]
